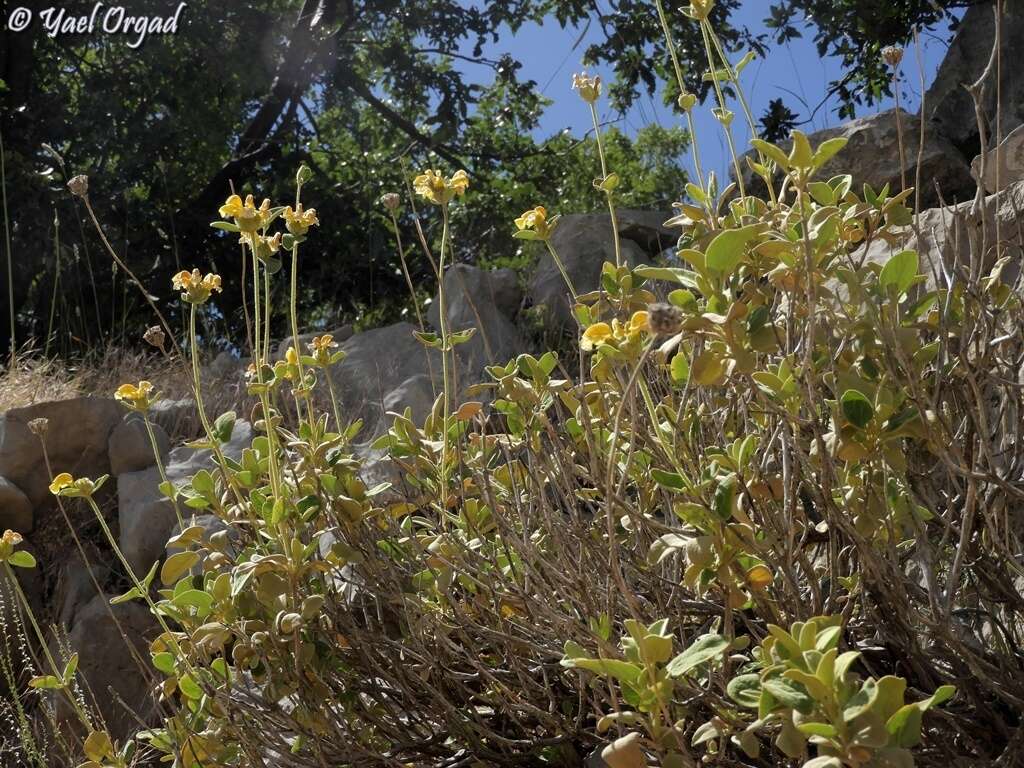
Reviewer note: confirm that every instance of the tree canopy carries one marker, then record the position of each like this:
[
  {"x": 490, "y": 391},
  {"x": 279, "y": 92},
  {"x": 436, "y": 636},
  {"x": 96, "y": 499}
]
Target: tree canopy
[{"x": 363, "y": 91}]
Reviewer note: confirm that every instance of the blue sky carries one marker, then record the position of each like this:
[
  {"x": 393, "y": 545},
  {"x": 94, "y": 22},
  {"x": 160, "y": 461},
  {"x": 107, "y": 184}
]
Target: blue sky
[{"x": 794, "y": 72}]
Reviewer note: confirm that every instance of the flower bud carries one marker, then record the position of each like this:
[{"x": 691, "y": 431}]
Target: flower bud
[
  {"x": 892, "y": 55},
  {"x": 390, "y": 201},
  {"x": 304, "y": 174},
  {"x": 154, "y": 336},
  {"x": 664, "y": 319},
  {"x": 79, "y": 185}
]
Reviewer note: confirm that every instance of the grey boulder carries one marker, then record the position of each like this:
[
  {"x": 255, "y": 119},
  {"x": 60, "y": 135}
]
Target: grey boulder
[
  {"x": 147, "y": 518},
  {"x": 130, "y": 448},
  {"x": 76, "y": 442},
  {"x": 584, "y": 242},
  {"x": 15, "y": 508}
]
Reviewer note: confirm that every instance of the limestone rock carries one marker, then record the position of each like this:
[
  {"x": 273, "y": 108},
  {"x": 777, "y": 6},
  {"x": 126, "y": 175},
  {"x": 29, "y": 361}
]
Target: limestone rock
[
  {"x": 379, "y": 361},
  {"x": 946, "y": 234},
  {"x": 15, "y": 508},
  {"x": 108, "y": 666},
  {"x": 584, "y": 243},
  {"x": 130, "y": 448},
  {"x": 146, "y": 518},
  {"x": 76, "y": 441},
  {"x": 76, "y": 585},
  {"x": 486, "y": 300},
  {"x": 872, "y": 156},
  {"x": 416, "y": 392},
  {"x": 1004, "y": 166},
  {"x": 176, "y": 417},
  {"x": 948, "y": 107}
]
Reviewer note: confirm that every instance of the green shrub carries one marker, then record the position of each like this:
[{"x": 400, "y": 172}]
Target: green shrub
[{"x": 796, "y": 438}]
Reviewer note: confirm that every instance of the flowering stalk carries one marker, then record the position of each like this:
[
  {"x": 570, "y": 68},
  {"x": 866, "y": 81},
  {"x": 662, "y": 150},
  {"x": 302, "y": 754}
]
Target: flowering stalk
[
  {"x": 604, "y": 183},
  {"x": 723, "y": 109},
  {"x": 54, "y": 669},
  {"x": 442, "y": 313},
  {"x": 686, "y": 100}
]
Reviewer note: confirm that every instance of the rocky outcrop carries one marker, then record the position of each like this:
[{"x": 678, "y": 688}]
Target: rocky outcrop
[
  {"x": 946, "y": 234},
  {"x": 147, "y": 518},
  {"x": 15, "y": 509},
  {"x": 378, "y": 361},
  {"x": 1004, "y": 166},
  {"x": 948, "y": 108},
  {"x": 111, "y": 641},
  {"x": 130, "y": 448},
  {"x": 76, "y": 437},
  {"x": 486, "y": 300},
  {"x": 584, "y": 242},
  {"x": 872, "y": 156}
]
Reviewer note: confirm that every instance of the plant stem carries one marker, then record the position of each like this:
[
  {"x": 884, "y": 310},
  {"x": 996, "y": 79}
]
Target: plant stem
[
  {"x": 607, "y": 192},
  {"x": 443, "y": 322},
  {"x": 7, "y": 240},
  {"x": 134, "y": 279},
  {"x": 670, "y": 44},
  {"x": 561, "y": 268},
  {"x": 56, "y": 282},
  {"x": 54, "y": 669}
]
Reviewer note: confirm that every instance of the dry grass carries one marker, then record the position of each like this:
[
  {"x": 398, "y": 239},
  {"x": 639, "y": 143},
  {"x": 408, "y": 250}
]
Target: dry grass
[{"x": 34, "y": 379}]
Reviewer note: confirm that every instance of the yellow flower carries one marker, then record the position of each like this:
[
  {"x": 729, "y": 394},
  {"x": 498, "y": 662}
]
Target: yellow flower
[
  {"x": 291, "y": 356},
  {"x": 265, "y": 247},
  {"x": 536, "y": 221},
  {"x": 248, "y": 218},
  {"x": 299, "y": 221},
  {"x": 65, "y": 485},
  {"x": 638, "y": 322},
  {"x": 596, "y": 334},
  {"x": 137, "y": 397},
  {"x": 438, "y": 189},
  {"x": 589, "y": 87},
  {"x": 60, "y": 482},
  {"x": 8, "y": 542},
  {"x": 195, "y": 288},
  {"x": 321, "y": 348}
]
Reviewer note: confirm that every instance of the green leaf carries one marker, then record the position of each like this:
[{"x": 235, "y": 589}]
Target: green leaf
[
  {"x": 98, "y": 746},
  {"x": 899, "y": 272},
  {"x": 669, "y": 274},
  {"x": 800, "y": 156},
  {"x": 45, "y": 682},
  {"x": 177, "y": 565},
  {"x": 620, "y": 670},
  {"x": 771, "y": 151},
  {"x": 708, "y": 369},
  {"x": 827, "y": 150},
  {"x": 817, "y": 729},
  {"x": 857, "y": 408},
  {"x": 22, "y": 559},
  {"x": 202, "y": 482},
  {"x": 726, "y": 251},
  {"x": 790, "y": 694},
  {"x": 224, "y": 426},
  {"x": 745, "y": 690},
  {"x": 666, "y": 546},
  {"x": 672, "y": 481},
  {"x": 704, "y": 649},
  {"x": 164, "y": 662},
  {"x": 725, "y": 497},
  {"x": 679, "y": 370},
  {"x": 70, "y": 668}
]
